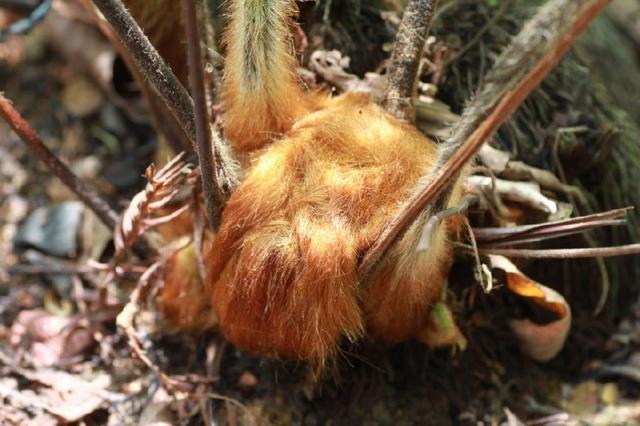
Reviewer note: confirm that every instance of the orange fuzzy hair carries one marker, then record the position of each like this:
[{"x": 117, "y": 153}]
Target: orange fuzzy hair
[
  {"x": 180, "y": 299},
  {"x": 324, "y": 178},
  {"x": 262, "y": 94},
  {"x": 282, "y": 269}
]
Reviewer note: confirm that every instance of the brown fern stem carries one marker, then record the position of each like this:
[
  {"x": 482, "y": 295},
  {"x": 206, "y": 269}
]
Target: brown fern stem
[
  {"x": 213, "y": 196},
  {"x": 574, "y": 253},
  {"x": 405, "y": 59}
]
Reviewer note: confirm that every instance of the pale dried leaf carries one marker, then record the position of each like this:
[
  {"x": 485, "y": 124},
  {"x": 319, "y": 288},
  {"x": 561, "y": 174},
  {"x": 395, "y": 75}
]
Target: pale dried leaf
[
  {"x": 67, "y": 396},
  {"x": 495, "y": 159},
  {"x": 50, "y": 339},
  {"x": 527, "y": 193}
]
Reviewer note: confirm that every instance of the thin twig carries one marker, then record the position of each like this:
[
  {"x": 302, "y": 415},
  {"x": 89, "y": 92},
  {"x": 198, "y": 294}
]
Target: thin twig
[
  {"x": 213, "y": 196},
  {"x": 85, "y": 192},
  {"x": 60, "y": 269},
  {"x": 533, "y": 53},
  {"x": 405, "y": 59},
  {"x": 151, "y": 64},
  {"x": 126, "y": 320},
  {"x": 566, "y": 253}
]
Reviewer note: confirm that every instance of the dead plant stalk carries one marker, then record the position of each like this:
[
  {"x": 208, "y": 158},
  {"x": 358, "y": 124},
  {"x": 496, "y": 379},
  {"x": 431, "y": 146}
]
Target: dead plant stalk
[{"x": 565, "y": 253}]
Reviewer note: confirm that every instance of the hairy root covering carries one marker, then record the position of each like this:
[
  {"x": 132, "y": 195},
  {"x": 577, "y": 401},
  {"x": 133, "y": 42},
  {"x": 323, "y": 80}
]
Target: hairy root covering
[
  {"x": 282, "y": 269},
  {"x": 181, "y": 298},
  {"x": 262, "y": 93},
  {"x": 324, "y": 177}
]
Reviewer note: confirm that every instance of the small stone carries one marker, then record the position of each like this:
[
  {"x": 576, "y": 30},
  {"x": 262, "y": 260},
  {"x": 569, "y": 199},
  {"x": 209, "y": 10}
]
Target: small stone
[
  {"x": 582, "y": 399},
  {"x": 52, "y": 230},
  {"x": 247, "y": 380},
  {"x": 609, "y": 394},
  {"x": 81, "y": 98}
]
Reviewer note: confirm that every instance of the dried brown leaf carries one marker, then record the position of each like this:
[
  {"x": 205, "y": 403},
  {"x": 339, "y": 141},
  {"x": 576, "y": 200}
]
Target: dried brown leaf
[
  {"x": 67, "y": 396},
  {"x": 331, "y": 65},
  {"x": 539, "y": 342},
  {"x": 50, "y": 339}
]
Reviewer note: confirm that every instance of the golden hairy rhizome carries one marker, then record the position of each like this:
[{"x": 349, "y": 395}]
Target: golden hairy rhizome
[{"x": 324, "y": 176}]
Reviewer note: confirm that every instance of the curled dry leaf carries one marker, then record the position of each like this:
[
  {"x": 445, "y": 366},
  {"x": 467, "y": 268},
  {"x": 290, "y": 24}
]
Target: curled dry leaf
[
  {"x": 433, "y": 116},
  {"x": 163, "y": 187},
  {"x": 495, "y": 159},
  {"x": 539, "y": 342},
  {"x": 66, "y": 396}
]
